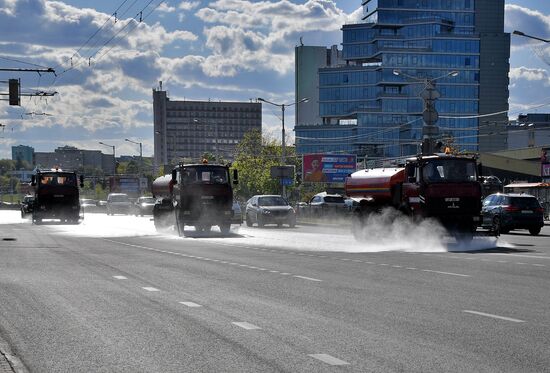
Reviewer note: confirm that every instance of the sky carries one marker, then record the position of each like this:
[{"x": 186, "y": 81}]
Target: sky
[{"x": 229, "y": 50}]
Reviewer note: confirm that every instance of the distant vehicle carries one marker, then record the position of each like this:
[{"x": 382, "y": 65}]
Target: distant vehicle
[
  {"x": 323, "y": 204},
  {"x": 88, "y": 205},
  {"x": 195, "y": 194},
  {"x": 56, "y": 196},
  {"x": 491, "y": 185},
  {"x": 269, "y": 209},
  {"x": 102, "y": 205},
  {"x": 504, "y": 212},
  {"x": 237, "y": 213},
  {"x": 118, "y": 203},
  {"x": 27, "y": 206},
  {"x": 144, "y": 206}
]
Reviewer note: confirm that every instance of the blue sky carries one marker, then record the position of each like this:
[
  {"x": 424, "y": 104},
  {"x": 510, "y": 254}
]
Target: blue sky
[{"x": 201, "y": 49}]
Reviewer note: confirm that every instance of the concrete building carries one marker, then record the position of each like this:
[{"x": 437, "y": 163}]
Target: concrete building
[
  {"x": 71, "y": 158},
  {"x": 530, "y": 130},
  {"x": 23, "y": 153},
  {"x": 308, "y": 60},
  {"x": 390, "y": 58},
  {"x": 188, "y": 129}
]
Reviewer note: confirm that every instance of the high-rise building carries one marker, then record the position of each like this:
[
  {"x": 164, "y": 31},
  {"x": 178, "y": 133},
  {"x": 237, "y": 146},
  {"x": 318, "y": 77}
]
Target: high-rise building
[
  {"x": 188, "y": 129},
  {"x": 373, "y": 106},
  {"x": 22, "y": 153}
]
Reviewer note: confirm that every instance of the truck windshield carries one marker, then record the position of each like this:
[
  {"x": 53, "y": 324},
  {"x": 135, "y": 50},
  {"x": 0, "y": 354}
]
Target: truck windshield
[
  {"x": 271, "y": 201},
  {"x": 446, "y": 170},
  {"x": 204, "y": 174},
  {"x": 57, "y": 179}
]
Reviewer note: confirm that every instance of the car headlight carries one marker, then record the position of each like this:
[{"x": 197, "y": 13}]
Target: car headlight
[{"x": 266, "y": 212}]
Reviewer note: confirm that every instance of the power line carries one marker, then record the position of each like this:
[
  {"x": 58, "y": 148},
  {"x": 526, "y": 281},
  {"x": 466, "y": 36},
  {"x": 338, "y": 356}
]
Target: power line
[{"x": 20, "y": 61}]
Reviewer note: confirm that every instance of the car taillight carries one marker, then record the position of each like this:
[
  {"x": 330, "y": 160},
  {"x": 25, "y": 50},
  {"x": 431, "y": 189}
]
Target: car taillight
[
  {"x": 539, "y": 209},
  {"x": 511, "y": 208}
]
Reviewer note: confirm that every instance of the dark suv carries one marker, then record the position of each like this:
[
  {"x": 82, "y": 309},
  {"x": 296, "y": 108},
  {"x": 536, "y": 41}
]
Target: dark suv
[{"x": 504, "y": 212}]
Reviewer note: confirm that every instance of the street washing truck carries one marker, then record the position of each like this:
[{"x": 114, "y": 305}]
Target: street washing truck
[
  {"x": 199, "y": 195},
  {"x": 56, "y": 196},
  {"x": 441, "y": 186}
]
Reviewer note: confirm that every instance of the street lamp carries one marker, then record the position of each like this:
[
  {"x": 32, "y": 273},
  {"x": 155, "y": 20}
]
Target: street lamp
[
  {"x": 140, "y": 154},
  {"x": 430, "y": 115},
  {"x": 283, "y": 140},
  {"x": 216, "y": 134},
  {"x": 520, "y": 33},
  {"x": 111, "y": 146}
]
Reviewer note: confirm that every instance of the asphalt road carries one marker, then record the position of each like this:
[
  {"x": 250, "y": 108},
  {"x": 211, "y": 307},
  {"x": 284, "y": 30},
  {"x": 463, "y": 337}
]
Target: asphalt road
[{"x": 113, "y": 295}]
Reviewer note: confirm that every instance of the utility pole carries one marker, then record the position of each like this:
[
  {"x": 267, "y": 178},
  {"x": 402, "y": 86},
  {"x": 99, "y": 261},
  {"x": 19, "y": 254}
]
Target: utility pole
[{"x": 430, "y": 131}]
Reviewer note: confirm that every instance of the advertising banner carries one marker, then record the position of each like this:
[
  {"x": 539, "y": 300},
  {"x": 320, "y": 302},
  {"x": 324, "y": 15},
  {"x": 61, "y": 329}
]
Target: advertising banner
[{"x": 328, "y": 168}]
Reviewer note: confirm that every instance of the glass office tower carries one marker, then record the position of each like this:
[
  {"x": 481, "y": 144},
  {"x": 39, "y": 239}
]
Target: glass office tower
[{"x": 402, "y": 45}]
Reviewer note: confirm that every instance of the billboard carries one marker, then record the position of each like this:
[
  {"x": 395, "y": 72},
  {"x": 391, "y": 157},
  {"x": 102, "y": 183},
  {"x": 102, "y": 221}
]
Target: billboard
[{"x": 328, "y": 168}]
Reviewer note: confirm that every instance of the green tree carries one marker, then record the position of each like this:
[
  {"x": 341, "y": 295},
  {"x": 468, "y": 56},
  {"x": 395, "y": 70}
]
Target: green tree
[
  {"x": 6, "y": 165},
  {"x": 254, "y": 157}
]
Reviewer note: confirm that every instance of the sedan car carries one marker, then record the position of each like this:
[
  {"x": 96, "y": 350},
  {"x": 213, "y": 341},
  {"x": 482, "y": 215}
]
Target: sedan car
[
  {"x": 118, "y": 203},
  {"x": 88, "y": 205},
  {"x": 237, "y": 213},
  {"x": 269, "y": 209},
  {"x": 27, "y": 206},
  {"x": 144, "y": 206},
  {"x": 325, "y": 204},
  {"x": 504, "y": 212}
]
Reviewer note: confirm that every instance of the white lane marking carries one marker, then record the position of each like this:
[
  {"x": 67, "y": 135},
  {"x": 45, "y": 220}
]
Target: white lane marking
[
  {"x": 206, "y": 259},
  {"x": 445, "y": 273},
  {"x": 121, "y": 277},
  {"x": 308, "y": 278},
  {"x": 383, "y": 264},
  {"x": 148, "y": 288},
  {"x": 411, "y": 268},
  {"x": 493, "y": 316},
  {"x": 190, "y": 304},
  {"x": 330, "y": 360},
  {"x": 246, "y": 325},
  {"x": 539, "y": 265},
  {"x": 394, "y": 266}
]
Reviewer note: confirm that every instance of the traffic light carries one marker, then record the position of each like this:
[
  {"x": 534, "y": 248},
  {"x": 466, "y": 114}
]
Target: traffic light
[{"x": 14, "y": 94}]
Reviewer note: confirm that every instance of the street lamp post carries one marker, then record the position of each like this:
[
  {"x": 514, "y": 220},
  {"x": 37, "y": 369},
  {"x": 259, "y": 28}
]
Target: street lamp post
[
  {"x": 520, "y": 33},
  {"x": 430, "y": 114},
  {"x": 140, "y": 154},
  {"x": 114, "y": 158},
  {"x": 216, "y": 153},
  {"x": 283, "y": 140}
]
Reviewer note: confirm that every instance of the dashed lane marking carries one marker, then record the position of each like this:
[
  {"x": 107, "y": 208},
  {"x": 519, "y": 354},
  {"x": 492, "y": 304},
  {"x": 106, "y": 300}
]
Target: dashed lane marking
[
  {"x": 494, "y": 316},
  {"x": 247, "y": 266},
  {"x": 308, "y": 278},
  {"x": 190, "y": 304},
  {"x": 246, "y": 325},
  {"x": 121, "y": 277},
  {"x": 148, "y": 288},
  {"x": 330, "y": 360},
  {"x": 445, "y": 273}
]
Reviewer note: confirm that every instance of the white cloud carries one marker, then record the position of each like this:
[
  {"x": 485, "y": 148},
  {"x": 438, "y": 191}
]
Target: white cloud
[
  {"x": 188, "y": 5},
  {"x": 531, "y": 22},
  {"x": 528, "y": 74},
  {"x": 165, "y": 8},
  {"x": 249, "y": 35}
]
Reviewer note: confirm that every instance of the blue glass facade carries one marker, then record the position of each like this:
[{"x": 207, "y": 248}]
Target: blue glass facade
[{"x": 421, "y": 39}]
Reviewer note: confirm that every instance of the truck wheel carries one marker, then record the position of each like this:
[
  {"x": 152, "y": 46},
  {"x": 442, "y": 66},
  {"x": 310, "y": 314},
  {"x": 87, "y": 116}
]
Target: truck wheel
[
  {"x": 179, "y": 226},
  {"x": 225, "y": 228},
  {"x": 496, "y": 225}
]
